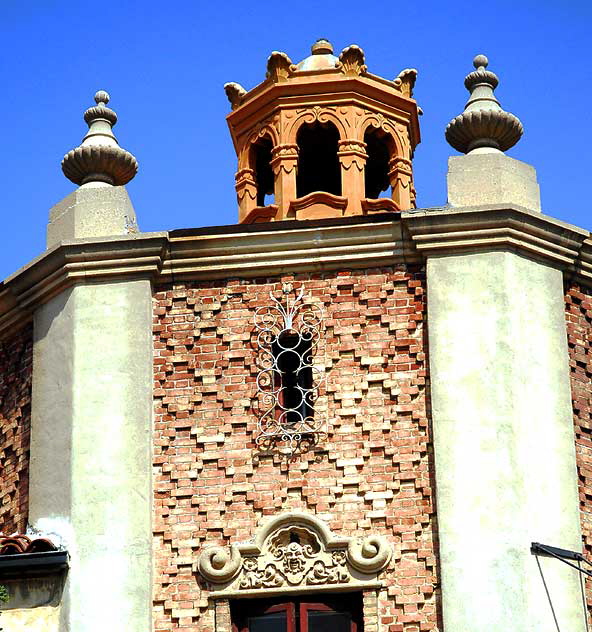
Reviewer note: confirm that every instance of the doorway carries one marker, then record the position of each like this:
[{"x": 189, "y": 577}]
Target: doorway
[{"x": 331, "y": 613}]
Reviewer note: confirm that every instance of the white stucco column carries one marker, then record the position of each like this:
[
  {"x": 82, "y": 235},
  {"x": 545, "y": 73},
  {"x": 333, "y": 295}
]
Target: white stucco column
[
  {"x": 91, "y": 420},
  {"x": 501, "y": 410},
  {"x": 503, "y": 442},
  {"x": 90, "y": 472}
]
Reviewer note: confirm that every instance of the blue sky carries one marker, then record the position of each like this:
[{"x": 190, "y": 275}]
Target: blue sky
[{"x": 165, "y": 64}]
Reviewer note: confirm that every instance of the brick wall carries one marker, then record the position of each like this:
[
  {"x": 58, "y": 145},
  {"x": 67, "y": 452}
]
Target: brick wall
[
  {"x": 371, "y": 474},
  {"x": 578, "y": 303},
  {"x": 16, "y": 355}
]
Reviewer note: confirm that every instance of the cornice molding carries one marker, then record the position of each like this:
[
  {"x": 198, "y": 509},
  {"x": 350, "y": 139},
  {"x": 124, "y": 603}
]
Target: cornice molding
[
  {"x": 455, "y": 230},
  {"x": 275, "y": 248},
  {"x": 80, "y": 261}
]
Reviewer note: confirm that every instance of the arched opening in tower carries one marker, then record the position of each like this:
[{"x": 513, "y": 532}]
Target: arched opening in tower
[
  {"x": 379, "y": 147},
  {"x": 318, "y": 164},
  {"x": 261, "y": 161}
]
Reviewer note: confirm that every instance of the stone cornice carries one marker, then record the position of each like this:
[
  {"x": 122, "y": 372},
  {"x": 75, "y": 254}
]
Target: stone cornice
[
  {"x": 275, "y": 248},
  {"x": 453, "y": 230},
  {"x": 283, "y": 247},
  {"x": 80, "y": 261}
]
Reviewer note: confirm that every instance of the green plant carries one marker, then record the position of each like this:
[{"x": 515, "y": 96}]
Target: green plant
[{"x": 3, "y": 597}]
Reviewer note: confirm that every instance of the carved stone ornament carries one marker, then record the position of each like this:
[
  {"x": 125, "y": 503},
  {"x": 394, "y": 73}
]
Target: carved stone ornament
[
  {"x": 405, "y": 81},
  {"x": 483, "y": 124},
  {"x": 352, "y": 61},
  {"x": 294, "y": 552},
  {"x": 235, "y": 93},
  {"x": 279, "y": 67},
  {"x": 100, "y": 158}
]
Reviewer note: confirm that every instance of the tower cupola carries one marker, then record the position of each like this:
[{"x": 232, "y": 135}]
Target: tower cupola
[{"x": 323, "y": 138}]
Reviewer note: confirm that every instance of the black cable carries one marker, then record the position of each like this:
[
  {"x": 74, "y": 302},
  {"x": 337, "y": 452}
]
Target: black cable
[{"x": 547, "y": 591}]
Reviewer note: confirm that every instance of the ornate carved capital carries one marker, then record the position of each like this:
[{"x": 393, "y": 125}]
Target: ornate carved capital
[
  {"x": 244, "y": 176},
  {"x": 284, "y": 158},
  {"x": 400, "y": 168},
  {"x": 245, "y": 184},
  {"x": 294, "y": 551},
  {"x": 351, "y": 152}
]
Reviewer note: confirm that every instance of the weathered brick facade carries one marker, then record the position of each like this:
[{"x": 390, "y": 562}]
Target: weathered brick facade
[
  {"x": 16, "y": 354},
  {"x": 579, "y": 335},
  {"x": 373, "y": 472}
]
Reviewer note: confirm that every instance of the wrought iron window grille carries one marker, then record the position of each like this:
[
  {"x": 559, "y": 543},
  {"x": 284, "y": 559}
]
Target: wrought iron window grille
[{"x": 289, "y": 373}]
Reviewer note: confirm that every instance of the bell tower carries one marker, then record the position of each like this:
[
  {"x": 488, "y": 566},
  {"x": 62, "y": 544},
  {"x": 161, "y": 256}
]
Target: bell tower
[{"x": 324, "y": 137}]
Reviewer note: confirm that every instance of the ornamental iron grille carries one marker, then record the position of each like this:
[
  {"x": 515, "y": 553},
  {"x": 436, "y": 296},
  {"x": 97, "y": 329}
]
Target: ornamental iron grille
[{"x": 289, "y": 379}]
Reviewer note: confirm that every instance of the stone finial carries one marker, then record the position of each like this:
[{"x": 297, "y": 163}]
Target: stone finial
[
  {"x": 322, "y": 47},
  {"x": 99, "y": 158},
  {"x": 483, "y": 124}
]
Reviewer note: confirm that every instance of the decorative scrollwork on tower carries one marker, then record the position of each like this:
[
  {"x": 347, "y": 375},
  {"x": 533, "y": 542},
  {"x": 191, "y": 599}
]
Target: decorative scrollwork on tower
[
  {"x": 290, "y": 374},
  {"x": 294, "y": 550}
]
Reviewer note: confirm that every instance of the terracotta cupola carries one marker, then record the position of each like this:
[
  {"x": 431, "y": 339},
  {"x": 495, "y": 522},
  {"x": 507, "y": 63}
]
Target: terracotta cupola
[{"x": 324, "y": 137}]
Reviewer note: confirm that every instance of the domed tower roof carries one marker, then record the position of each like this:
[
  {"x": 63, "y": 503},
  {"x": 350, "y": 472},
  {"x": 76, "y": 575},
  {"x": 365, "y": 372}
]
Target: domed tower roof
[{"x": 323, "y": 138}]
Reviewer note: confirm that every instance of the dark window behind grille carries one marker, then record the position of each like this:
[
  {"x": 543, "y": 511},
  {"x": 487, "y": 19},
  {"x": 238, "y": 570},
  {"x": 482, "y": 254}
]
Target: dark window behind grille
[{"x": 292, "y": 354}]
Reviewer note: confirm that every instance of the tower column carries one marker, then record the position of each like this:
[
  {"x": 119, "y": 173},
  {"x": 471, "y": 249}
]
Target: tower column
[
  {"x": 352, "y": 158},
  {"x": 246, "y": 192},
  {"x": 284, "y": 163},
  {"x": 502, "y": 414},
  {"x": 401, "y": 179},
  {"x": 91, "y": 418}
]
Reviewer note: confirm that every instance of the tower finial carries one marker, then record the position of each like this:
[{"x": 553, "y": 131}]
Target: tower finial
[
  {"x": 483, "y": 124},
  {"x": 99, "y": 158},
  {"x": 322, "y": 47}
]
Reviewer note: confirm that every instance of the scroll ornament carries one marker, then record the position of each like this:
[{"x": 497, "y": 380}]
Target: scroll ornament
[
  {"x": 235, "y": 93},
  {"x": 352, "y": 61},
  {"x": 279, "y": 67},
  {"x": 405, "y": 81},
  {"x": 299, "y": 552}
]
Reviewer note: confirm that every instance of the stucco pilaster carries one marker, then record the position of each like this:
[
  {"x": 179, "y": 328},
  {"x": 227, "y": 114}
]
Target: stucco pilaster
[
  {"x": 90, "y": 473},
  {"x": 503, "y": 441}
]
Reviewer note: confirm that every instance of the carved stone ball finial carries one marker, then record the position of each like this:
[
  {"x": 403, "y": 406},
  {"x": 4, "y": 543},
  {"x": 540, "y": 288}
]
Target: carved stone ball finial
[
  {"x": 102, "y": 97},
  {"x": 322, "y": 47},
  {"x": 483, "y": 124},
  {"x": 480, "y": 61},
  {"x": 99, "y": 158}
]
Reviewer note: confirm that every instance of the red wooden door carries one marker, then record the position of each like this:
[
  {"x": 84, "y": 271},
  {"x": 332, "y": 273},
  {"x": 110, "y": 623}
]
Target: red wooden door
[
  {"x": 338, "y": 613},
  {"x": 323, "y": 617},
  {"x": 279, "y": 617}
]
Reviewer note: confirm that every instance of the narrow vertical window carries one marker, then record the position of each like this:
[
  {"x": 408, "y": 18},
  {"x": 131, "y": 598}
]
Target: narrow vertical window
[
  {"x": 289, "y": 370},
  {"x": 293, "y": 375}
]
